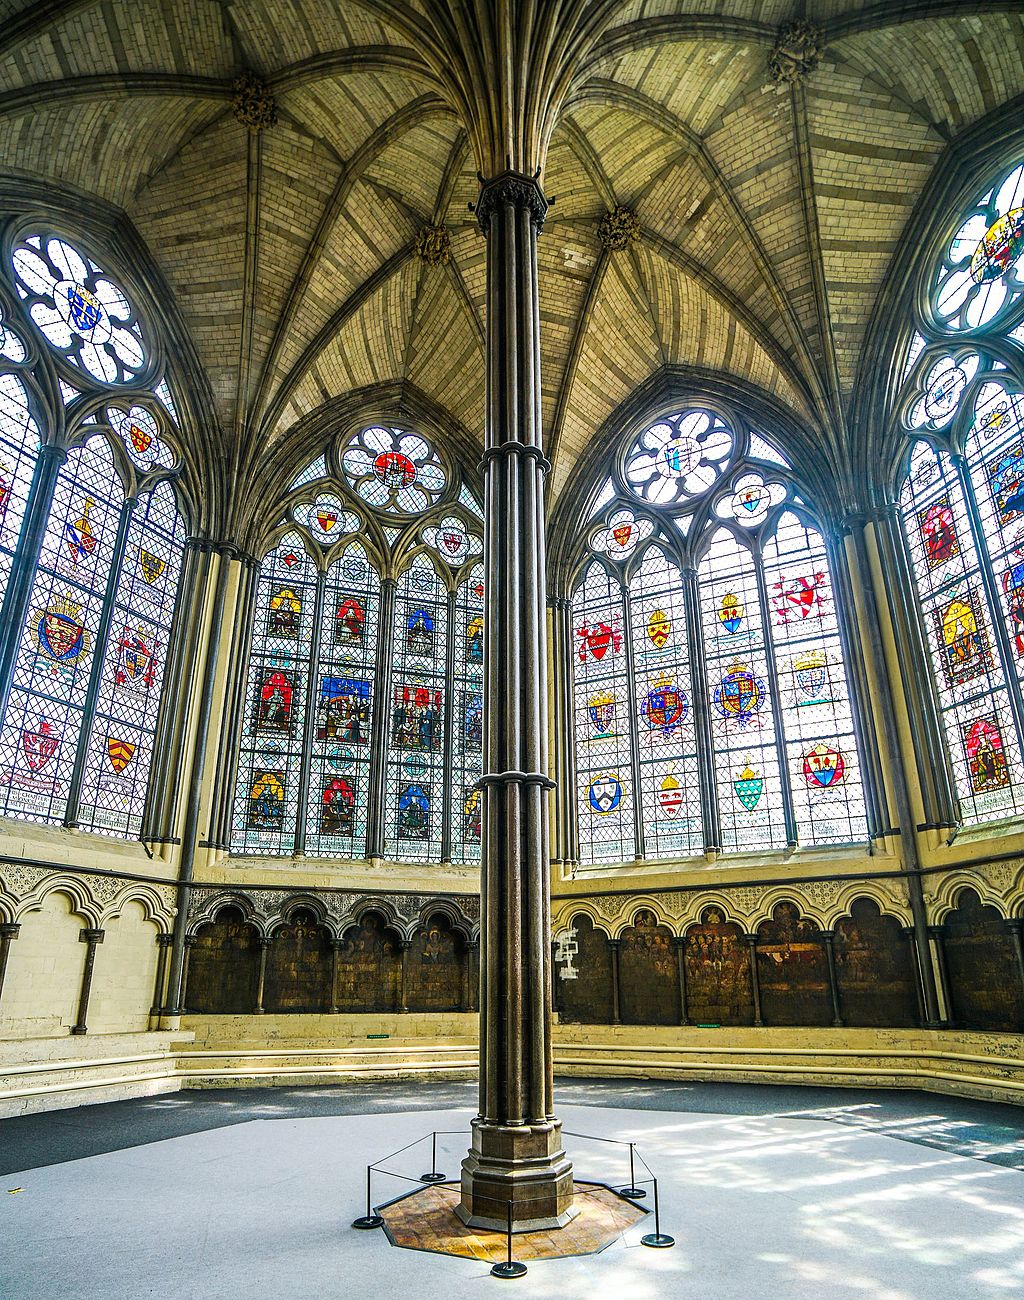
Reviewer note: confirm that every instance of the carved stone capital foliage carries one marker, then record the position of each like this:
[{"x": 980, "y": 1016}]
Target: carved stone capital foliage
[
  {"x": 514, "y": 189},
  {"x": 797, "y": 50},
  {"x": 434, "y": 246},
  {"x": 619, "y": 228},
  {"x": 253, "y": 102}
]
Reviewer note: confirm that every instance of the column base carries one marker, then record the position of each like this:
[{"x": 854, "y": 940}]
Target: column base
[{"x": 524, "y": 1164}]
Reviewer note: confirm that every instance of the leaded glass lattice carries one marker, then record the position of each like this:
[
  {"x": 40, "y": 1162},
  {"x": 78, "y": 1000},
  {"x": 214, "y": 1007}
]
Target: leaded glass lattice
[
  {"x": 602, "y": 702},
  {"x": 467, "y": 736},
  {"x": 344, "y": 702},
  {"x": 663, "y": 701},
  {"x": 745, "y": 753},
  {"x": 821, "y": 747},
  {"x": 418, "y": 697},
  {"x": 19, "y": 448},
  {"x": 120, "y": 746},
  {"x": 46, "y": 706},
  {"x": 270, "y": 762}
]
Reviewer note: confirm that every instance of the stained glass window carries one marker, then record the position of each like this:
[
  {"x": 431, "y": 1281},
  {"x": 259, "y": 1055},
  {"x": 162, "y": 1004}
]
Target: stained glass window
[
  {"x": 343, "y": 708},
  {"x": 417, "y": 702},
  {"x": 602, "y": 701},
  {"x": 962, "y": 505},
  {"x": 271, "y": 755},
  {"x": 120, "y": 746},
  {"x": 817, "y": 712},
  {"x": 667, "y": 743},
  {"x": 726, "y": 698},
  {"x": 468, "y": 730},
  {"x": 394, "y": 470},
  {"x": 19, "y": 447}
]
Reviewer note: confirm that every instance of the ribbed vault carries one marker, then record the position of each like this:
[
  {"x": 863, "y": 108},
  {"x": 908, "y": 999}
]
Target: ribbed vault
[{"x": 768, "y": 214}]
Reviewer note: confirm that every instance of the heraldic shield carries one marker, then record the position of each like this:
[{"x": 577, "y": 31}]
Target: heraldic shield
[
  {"x": 605, "y": 793},
  {"x": 39, "y": 746}
]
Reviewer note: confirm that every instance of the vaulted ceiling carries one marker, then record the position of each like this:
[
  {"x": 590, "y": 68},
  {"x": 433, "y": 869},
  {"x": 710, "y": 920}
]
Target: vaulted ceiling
[{"x": 768, "y": 212}]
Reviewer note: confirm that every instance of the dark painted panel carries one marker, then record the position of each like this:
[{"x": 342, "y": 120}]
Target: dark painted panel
[
  {"x": 223, "y": 966},
  {"x": 873, "y": 968},
  {"x": 718, "y": 989},
  {"x": 648, "y": 974},
  {"x": 435, "y": 968},
  {"x": 983, "y": 974},
  {"x": 369, "y": 968},
  {"x": 585, "y": 998},
  {"x": 299, "y": 967},
  {"x": 792, "y": 970}
]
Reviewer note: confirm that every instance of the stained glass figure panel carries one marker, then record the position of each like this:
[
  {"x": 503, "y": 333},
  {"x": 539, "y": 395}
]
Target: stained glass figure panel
[
  {"x": 345, "y": 699},
  {"x": 270, "y": 762},
  {"x": 43, "y": 722},
  {"x": 821, "y": 747},
  {"x": 663, "y": 699},
  {"x": 958, "y": 620},
  {"x": 602, "y": 700},
  {"x": 745, "y": 755},
  {"x": 467, "y": 748},
  {"x": 119, "y": 750},
  {"x": 418, "y": 697}
]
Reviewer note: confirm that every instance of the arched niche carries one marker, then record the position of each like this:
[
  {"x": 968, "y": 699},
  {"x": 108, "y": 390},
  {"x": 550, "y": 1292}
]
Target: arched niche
[
  {"x": 583, "y": 980},
  {"x": 792, "y": 970},
  {"x": 436, "y": 967},
  {"x": 648, "y": 973},
  {"x": 718, "y": 984},
  {"x": 223, "y": 966},
  {"x": 984, "y": 979},
  {"x": 874, "y": 968},
  {"x": 369, "y": 967},
  {"x": 299, "y": 963}
]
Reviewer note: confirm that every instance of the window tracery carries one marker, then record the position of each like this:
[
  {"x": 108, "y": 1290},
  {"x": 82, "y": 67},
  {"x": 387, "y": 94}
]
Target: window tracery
[
  {"x": 91, "y": 589},
  {"x": 961, "y": 503},
  {"x": 382, "y": 750},
  {"x": 708, "y": 674}
]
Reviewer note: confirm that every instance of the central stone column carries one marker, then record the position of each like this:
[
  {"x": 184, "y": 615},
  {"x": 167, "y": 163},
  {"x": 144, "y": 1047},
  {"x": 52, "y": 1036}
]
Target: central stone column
[{"x": 516, "y": 1155}]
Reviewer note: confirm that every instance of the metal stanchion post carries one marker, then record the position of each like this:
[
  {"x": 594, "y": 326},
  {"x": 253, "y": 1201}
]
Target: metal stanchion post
[
  {"x": 508, "y": 1267},
  {"x": 632, "y": 1191},
  {"x": 433, "y": 1176},
  {"x": 657, "y": 1239},
  {"x": 369, "y": 1219}
]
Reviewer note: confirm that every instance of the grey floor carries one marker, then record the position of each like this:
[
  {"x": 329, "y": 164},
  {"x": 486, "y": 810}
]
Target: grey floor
[{"x": 788, "y": 1192}]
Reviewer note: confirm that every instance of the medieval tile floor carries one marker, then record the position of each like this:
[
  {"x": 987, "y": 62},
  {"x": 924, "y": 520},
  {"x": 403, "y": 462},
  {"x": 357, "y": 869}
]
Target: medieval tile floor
[{"x": 769, "y": 1192}]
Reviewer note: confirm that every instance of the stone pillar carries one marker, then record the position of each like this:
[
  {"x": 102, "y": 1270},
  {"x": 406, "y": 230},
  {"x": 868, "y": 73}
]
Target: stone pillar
[
  {"x": 828, "y": 938},
  {"x": 93, "y": 938},
  {"x": 8, "y": 934},
  {"x": 755, "y": 981},
  {"x": 684, "y": 1015},
  {"x": 403, "y": 993},
  {"x": 516, "y": 1155},
  {"x": 910, "y": 934},
  {"x": 164, "y": 942},
  {"x": 613, "y": 947},
  {"x": 938, "y": 938},
  {"x": 467, "y": 975},
  {"x": 261, "y": 978},
  {"x": 337, "y": 948}
]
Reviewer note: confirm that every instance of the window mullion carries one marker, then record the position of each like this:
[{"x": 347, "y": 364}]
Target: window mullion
[
  {"x": 308, "y": 722},
  {"x": 776, "y": 702},
  {"x": 701, "y": 715},
  {"x": 98, "y": 661},
  {"x": 634, "y": 728},
  {"x": 377, "y": 792},
  {"x": 992, "y": 591},
  {"x": 449, "y": 733}
]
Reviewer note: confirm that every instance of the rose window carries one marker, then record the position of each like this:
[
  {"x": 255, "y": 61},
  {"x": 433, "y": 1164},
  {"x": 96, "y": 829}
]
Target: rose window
[
  {"x": 679, "y": 457},
  {"x": 394, "y": 470}
]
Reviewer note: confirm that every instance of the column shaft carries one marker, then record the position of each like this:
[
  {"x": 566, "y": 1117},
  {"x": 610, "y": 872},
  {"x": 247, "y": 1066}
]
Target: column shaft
[{"x": 92, "y": 938}]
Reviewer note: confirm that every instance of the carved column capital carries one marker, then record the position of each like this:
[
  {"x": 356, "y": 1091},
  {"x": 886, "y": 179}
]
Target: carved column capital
[{"x": 514, "y": 189}]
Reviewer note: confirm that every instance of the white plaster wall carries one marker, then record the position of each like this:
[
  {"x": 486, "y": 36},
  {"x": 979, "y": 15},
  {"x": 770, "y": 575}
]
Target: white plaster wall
[
  {"x": 44, "y": 972},
  {"x": 125, "y": 974}
]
